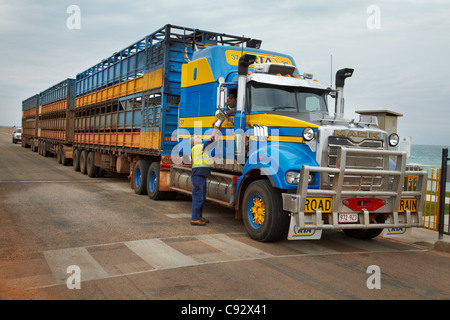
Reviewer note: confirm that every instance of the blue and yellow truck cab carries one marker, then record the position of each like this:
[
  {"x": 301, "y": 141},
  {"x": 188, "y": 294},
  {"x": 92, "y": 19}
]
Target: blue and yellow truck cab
[{"x": 283, "y": 163}]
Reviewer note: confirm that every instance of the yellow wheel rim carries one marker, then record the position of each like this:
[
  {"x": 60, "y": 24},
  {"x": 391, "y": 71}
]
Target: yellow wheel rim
[{"x": 258, "y": 211}]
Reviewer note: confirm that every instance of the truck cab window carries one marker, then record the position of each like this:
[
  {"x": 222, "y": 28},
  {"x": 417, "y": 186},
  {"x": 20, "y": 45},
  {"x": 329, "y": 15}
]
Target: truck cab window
[{"x": 271, "y": 98}]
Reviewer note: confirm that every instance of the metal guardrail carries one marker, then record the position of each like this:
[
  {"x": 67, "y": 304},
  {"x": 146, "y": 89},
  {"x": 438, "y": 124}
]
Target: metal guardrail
[
  {"x": 432, "y": 193},
  {"x": 391, "y": 191}
]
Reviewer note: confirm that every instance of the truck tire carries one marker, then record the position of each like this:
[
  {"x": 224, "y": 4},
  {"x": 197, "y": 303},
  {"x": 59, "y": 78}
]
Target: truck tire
[
  {"x": 140, "y": 173},
  {"x": 362, "y": 234},
  {"x": 83, "y": 161},
  {"x": 262, "y": 212},
  {"x": 64, "y": 161},
  {"x": 76, "y": 159},
  {"x": 58, "y": 154},
  {"x": 45, "y": 152},
  {"x": 33, "y": 146},
  {"x": 153, "y": 183},
  {"x": 91, "y": 169}
]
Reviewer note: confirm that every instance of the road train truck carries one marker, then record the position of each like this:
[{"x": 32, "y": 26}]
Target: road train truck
[{"x": 285, "y": 162}]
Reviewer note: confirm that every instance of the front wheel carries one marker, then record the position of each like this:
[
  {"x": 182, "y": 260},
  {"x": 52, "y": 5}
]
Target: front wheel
[{"x": 263, "y": 215}]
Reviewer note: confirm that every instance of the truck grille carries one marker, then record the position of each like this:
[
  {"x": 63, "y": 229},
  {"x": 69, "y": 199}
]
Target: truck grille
[{"x": 355, "y": 162}]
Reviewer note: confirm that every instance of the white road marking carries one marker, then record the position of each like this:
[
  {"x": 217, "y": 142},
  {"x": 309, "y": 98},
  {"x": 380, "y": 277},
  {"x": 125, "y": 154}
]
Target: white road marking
[
  {"x": 233, "y": 247},
  {"x": 160, "y": 255},
  {"x": 59, "y": 260}
]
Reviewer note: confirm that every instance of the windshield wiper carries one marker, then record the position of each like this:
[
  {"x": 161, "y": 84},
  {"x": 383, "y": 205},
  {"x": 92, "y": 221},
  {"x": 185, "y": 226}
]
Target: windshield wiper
[{"x": 280, "y": 108}]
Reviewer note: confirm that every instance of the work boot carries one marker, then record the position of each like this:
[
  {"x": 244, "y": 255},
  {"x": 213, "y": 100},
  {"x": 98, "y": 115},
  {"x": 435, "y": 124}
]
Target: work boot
[
  {"x": 198, "y": 223},
  {"x": 204, "y": 220}
]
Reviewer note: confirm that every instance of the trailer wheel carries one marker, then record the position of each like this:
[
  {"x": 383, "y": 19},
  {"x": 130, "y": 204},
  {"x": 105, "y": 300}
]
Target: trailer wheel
[
  {"x": 153, "y": 183},
  {"x": 263, "y": 215},
  {"x": 91, "y": 169},
  {"x": 58, "y": 154},
  {"x": 83, "y": 161},
  {"x": 139, "y": 175},
  {"x": 362, "y": 234},
  {"x": 64, "y": 161},
  {"x": 76, "y": 159},
  {"x": 33, "y": 146},
  {"x": 45, "y": 152}
]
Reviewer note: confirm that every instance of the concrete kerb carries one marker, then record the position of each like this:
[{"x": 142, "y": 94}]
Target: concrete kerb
[
  {"x": 427, "y": 238},
  {"x": 442, "y": 245}
]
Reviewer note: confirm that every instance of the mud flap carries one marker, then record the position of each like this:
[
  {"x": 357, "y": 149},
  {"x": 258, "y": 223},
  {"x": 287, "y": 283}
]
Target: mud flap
[
  {"x": 306, "y": 234},
  {"x": 396, "y": 232}
]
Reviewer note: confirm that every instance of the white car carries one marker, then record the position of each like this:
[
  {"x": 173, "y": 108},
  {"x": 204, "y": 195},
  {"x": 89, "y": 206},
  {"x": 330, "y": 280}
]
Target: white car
[{"x": 17, "y": 135}]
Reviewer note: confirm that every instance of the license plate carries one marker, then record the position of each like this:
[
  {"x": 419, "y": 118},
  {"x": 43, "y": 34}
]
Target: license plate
[
  {"x": 410, "y": 204},
  {"x": 324, "y": 204},
  {"x": 348, "y": 217}
]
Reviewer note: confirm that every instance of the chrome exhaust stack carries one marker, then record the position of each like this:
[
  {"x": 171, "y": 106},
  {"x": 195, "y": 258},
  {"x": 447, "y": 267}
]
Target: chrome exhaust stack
[{"x": 341, "y": 75}]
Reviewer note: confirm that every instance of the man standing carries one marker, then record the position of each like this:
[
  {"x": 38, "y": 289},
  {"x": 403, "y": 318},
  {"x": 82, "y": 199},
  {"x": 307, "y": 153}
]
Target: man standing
[{"x": 201, "y": 169}]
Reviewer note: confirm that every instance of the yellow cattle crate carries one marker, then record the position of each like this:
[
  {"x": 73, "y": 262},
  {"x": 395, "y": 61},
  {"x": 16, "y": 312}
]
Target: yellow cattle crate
[
  {"x": 119, "y": 139},
  {"x": 148, "y": 81}
]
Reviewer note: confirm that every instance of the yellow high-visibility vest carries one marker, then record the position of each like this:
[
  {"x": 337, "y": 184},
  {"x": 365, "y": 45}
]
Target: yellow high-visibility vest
[{"x": 199, "y": 158}]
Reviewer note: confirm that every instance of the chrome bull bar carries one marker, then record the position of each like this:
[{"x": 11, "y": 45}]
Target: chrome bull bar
[{"x": 391, "y": 192}]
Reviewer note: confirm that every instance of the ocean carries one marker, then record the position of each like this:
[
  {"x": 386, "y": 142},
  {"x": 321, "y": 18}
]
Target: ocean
[{"x": 427, "y": 155}]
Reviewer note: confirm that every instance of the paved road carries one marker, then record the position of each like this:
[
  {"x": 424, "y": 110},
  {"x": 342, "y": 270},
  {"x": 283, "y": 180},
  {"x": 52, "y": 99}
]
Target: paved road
[{"x": 130, "y": 247}]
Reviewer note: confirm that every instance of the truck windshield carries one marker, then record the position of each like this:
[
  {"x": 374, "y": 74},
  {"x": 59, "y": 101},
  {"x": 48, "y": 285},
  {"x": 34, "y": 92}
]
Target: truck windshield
[{"x": 268, "y": 98}]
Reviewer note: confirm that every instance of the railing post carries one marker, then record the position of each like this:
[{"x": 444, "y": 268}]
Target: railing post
[{"x": 442, "y": 195}]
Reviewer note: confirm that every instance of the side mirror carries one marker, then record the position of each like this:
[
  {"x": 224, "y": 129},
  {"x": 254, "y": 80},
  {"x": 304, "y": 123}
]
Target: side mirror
[
  {"x": 332, "y": 93},
  {"x": 221, "y": 96}
]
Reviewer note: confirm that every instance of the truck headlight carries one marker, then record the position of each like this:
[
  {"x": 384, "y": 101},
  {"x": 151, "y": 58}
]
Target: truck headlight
[
  {"x": 308, "y": 134},
  {"x": 393, "y": 140},
  {"x": 293, "y": 177}
]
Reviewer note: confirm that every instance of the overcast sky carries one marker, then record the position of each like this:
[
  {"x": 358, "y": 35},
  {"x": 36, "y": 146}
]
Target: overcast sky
[{"x": 400, "y": 49}]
